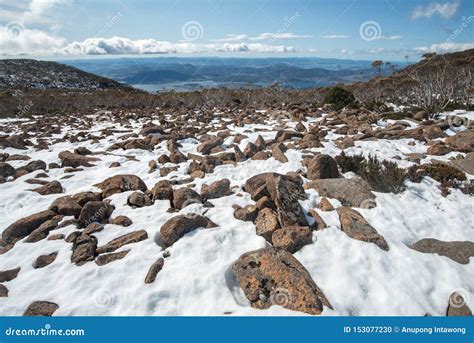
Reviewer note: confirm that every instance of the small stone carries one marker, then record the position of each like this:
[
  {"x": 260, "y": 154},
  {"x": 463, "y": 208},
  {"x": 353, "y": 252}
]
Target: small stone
[
  {"x": 9, "y": 275},
  {"x": 44, "y": 260},
  {"x": 104, "y": 259},
  {"x": 154, "y": 270},
  {"x": 292, "y": 238},
  {"x": 41, "y": 308}
]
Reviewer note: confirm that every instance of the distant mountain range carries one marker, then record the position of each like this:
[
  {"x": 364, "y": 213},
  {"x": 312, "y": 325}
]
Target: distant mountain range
[{"x": 189, "y": 73}]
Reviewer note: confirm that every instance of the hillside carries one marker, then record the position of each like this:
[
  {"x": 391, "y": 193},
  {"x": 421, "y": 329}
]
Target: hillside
[{"x": 33, "y": 74}]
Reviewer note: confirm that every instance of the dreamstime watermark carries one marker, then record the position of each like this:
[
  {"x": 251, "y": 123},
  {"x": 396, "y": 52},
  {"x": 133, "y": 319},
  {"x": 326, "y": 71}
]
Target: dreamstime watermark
[
  {"x": 280, "y": 297},
  {"x": 459, "y": 298},
  {"x": 370, "y": 30},
  {"x": 287, "y": 22},
  {"x": 14, "y": 29},
  {"x": 103, "y": 297},
  {"x": 44, "y": 331},
  {"x": 18, "y": 208},
  {"x": 108, "y": 25},
  {"x": 465, "y": 22},
  {"x": 192, "y": 30},
  {"x": 457, "y": 122}
]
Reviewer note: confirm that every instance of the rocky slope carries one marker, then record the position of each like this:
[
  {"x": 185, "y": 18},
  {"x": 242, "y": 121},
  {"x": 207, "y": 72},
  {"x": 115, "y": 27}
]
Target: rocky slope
[
  {"x": 236, "y": 212},
  {"x": 32, "y": 74}
]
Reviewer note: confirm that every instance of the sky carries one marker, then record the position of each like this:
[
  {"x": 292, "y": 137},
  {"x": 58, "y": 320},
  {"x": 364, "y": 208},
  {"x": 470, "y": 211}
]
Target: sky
[{"x": 352, "y": 29}]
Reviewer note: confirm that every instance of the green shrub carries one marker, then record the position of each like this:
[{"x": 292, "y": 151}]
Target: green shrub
[{"x": 339, "y": 97}]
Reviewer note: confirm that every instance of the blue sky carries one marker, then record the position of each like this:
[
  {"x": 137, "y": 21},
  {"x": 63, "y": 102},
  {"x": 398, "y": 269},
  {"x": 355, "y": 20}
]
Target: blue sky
[{"x": 356, "y": 29}]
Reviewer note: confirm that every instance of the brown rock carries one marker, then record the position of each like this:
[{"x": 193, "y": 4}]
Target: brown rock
[
  {"x": 66, "y": 206},
  {"x": 70, "y": 159},
  {"x": 7, "y": 170},
  {"x": 121, "y": 183},
  {"x": 206, "y": 147},
  {"x": 122, "y": 221},
  {"x": 438, "y": 149},
  {"x": 84, "y": 249},
  {"x": 278, "y": 152},
  {"x": 43, "y": 230},
  {"x": 53, "y": 187},
  {"x": 129, "y": 238},
  {"x": 93, "y": 228},
  {"x": 250, "y": 150},
  {"x": 9, "y": 275},
  {"x": 459, "y": 251},
  {"x": 217, "y": 189},
  {"x": 95, "y": 212},
  {"x": 273, "y": 276},
  {"x": 162, "y": 191},
  {"x": 104, "y": 259},
  {"x": 292, "y": 238},
  {"x": 139, "y": 199},
  {"x": 353, "y": 192},
  {"x": 23, "y": 227},
  {"x": 154, "y": 270},
  {"x": 41, "y": 308},
  {"x": 266, "y": 223},
  {"x": 322, "y": 167},
  {"x": 44, "y": 260},
  {"x": 319, "y": 223},
  {"x": 325, "y": 205},
  {"x": 56, "y": 237},
  {"x": 462, "y": 141},
  {"x": 248, "y": 213},
  {"x": 185, "y": 196},
  {"x": 178, "y": 226},
  {"x": 3, "y": 291},
  {"x": 356, "y": 227},
  {"x": 458, "y": 306},
  {"x": 84, "y": 197},
  {"x": 465, "y": 164}
]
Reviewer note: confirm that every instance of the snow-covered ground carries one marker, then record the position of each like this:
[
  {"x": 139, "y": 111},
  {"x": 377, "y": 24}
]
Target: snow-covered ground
[{"x": 358, "y": 278}]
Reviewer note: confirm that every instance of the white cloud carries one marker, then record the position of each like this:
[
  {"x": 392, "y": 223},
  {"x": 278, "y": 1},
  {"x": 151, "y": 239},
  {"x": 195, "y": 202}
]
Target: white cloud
[
  {"x": 30, "y": 12},
  {"x": 15, "y": 40},
  {"x": 445, "y": 47},
  {"x": 334, "y": 37},
  {"x": 263, "y": 36},
  {"x": 40, "y": 43},
  {"x": 383, "y": 37},
  {"x": 446, "y": 10}
]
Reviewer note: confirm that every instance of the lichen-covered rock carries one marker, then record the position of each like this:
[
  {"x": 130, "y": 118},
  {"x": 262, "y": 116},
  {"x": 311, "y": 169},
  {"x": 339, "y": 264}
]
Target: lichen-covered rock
[
  {"x": 121, "y": 183},
  {"x": 95, "y": 212},
  {"x": 248, "y": 213},
  {"x": 292, "y": 238},
  {"x": 272, "y": 276},
  {"x": 322, "y": 167},
  {"x": 41, "y": 308},
  {"x": 459, "y": 251},
  {"x": 23, "y": 227},
  {"x": 266, "y": 223},
  {"x": 185, "y": 196},
  {"x": 178, "y": 226},
  {"x": 215, "y": 190},
  {"x": 356, "y": 227}
]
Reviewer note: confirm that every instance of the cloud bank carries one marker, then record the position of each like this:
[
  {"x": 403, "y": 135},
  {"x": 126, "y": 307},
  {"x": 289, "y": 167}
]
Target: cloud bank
[{"x": 446, "y": 10}]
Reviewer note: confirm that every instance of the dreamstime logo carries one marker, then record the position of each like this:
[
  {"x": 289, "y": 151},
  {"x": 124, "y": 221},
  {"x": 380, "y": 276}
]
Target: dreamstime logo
[
  {"x": 370, "y": 30},
  {"x": 459, "y": 298},
  {"x": 280, "y": 297},
  {"x": 14, "y": 29},
  {"x": 465, "y": 22},
  {"x": 192, "y": 30},
  {"x": 456, "y": 123},
  {"x": 103, "y": 297},
  {"x": 18, "y": 208}
]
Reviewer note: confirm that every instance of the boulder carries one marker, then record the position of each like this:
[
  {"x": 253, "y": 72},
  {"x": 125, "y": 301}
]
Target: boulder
[
  {"x": 42, "y": 231},
  {"x": 41, "y": 308},
  {"x": 465, "y": 164},
  {"x": 162, "y": 191},
  {"x": 66, "y": 206},
  {"x": 84, "y": 249},
  {"x": 23, "y": 227},
  {"x": 6, "y": 171},
  {"x": 292, "y": 238},
  {"x": 93, "y": 228},
  {"x": 139, "y": 199},
  {"x": 356, "y": 227},
  {"x": 272, "y": 276},
  {"x": 35, "y": 165},
  {"x": 129, "y": 238},
  {"x": 69, "y": 159},
  {"x": 353, "y": 192},
  {"x": 8, "y": 275},
  {"x": 462, "y": 141},
  {"x": 420, "y": 115},
  {"x": 248, "y": 213},
  {"x": 95, "y": 212},
  {"x": 84, "y": 197},
  {"x": 322, "y": 167},
  {"x": 122, "y": 221},
  {"x": 53, "y": 187},
  {"x": 458, "y": 306},
  {"x": 217, "y": 189},
  {"x": 178, "y": 226},
  {"x": 154, "y": 270},
  {"x": 266, "y": 223},
  {"x": 3, "y": 291},
  {"x": 459, "y": 251},
  {"x": 278, "y": 152},
  {"x": 121, "y": 183},
  {"x": 206, "y": 147},
  {"x": 438, "y": 149},
  {"x": 104, "y": 259},
  {"x": 44, "y": 260},
  {"x": 185, "y": 196},
  {"x": 325, "y": 205}
]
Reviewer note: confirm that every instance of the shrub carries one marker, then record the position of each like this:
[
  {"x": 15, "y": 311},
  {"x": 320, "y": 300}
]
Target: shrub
[
  {"x": 396, "y": 115},
  {"x": 385, "y": 176},
  {"x": 339, "y": 97}
]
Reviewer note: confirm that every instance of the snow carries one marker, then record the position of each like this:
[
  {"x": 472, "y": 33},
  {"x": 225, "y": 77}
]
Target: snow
[{"x": 358, "y": 278}]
